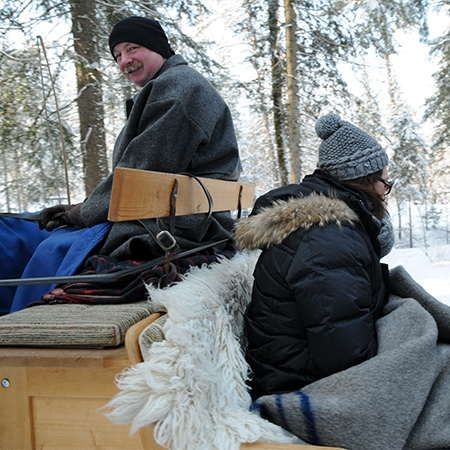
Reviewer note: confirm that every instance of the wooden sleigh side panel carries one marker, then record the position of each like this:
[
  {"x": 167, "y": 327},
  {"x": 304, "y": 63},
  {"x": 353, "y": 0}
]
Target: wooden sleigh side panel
[{"x": 51, "y": 399}]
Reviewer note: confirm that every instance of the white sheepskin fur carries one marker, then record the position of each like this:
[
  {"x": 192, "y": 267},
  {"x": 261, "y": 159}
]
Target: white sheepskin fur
[{"x": 192, "y": 385}]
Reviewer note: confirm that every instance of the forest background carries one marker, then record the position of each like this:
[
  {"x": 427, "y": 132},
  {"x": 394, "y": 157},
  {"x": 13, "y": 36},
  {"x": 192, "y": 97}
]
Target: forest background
[{"x": 280, "y": 64}]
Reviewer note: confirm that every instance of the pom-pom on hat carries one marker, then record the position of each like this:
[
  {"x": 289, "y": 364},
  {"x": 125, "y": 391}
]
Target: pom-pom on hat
[
  {"x": 346, "y": 151},
  {"x": 142, "y": 31}
]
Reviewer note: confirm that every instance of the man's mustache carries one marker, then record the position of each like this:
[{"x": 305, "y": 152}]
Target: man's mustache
[{"x": 133, "y": 67}]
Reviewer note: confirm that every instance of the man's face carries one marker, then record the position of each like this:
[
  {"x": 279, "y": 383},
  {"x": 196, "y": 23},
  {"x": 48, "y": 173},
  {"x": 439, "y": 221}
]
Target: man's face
[{"x": 138, "y": 64}]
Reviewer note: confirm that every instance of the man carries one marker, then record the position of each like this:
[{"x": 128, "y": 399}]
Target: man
[{"x": 178, "y": 123}]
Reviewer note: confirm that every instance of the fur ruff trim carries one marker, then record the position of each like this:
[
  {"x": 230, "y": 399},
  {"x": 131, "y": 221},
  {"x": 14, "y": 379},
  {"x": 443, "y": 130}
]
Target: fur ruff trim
[
  {"x": 275, "y": 223},
  {"x": 192, "y": 384}
]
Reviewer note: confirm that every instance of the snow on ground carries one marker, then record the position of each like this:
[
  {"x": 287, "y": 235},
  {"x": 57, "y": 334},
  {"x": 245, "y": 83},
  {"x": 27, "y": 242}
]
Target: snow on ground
[{"x": 430, "y": 267}]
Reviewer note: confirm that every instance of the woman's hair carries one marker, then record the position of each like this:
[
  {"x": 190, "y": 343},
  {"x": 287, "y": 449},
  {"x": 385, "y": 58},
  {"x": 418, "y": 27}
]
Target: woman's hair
[{"x": 367, "y": 185}]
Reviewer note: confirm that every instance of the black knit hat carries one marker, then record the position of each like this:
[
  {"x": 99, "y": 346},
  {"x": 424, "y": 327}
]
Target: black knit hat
[
  {"x": 348, "y": 152},
  {"x": 142, "y": 31}
]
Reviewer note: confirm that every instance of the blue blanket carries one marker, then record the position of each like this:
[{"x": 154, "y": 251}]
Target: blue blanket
[{"x": 27, "y": 252}]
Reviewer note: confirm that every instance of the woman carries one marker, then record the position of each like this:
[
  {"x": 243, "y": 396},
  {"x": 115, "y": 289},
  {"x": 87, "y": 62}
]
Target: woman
[{"x": 319, "y": 286}]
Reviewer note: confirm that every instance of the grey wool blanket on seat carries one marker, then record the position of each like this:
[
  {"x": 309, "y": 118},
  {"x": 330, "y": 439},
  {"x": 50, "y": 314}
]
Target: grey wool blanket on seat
[{"x": 400, "y": 399}]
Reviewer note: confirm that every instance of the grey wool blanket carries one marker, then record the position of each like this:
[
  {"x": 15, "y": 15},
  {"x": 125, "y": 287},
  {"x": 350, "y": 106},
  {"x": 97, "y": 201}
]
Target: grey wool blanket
[{"x": 400, "y": 399}]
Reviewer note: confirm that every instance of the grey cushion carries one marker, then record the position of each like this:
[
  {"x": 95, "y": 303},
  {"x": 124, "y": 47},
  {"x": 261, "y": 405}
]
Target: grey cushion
[
  {"x": 65, "y": 325},
  {"x": 153, "y": 333}
]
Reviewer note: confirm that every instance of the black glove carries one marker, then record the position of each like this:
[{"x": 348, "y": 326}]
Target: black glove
[
  {"x": 61, "y": 215},
  {"x": 74, "y": 215}
]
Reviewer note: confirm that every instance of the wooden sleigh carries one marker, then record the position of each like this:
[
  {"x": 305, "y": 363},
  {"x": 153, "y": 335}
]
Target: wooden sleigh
[{"x": 55, "y": 377}]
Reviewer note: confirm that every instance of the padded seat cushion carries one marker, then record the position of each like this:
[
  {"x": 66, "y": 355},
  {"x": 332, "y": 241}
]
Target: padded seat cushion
[
  {"x": 71, "y": 325},
  {"x": 151, "y": 334}
]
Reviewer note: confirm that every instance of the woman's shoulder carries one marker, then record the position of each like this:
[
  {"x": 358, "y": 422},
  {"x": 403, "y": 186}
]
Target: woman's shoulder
[{"x": 275, "y": 223}]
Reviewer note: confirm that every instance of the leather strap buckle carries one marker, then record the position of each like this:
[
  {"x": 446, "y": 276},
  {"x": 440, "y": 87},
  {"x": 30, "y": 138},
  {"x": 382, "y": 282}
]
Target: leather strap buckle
[{"x": 165, "y": 240}]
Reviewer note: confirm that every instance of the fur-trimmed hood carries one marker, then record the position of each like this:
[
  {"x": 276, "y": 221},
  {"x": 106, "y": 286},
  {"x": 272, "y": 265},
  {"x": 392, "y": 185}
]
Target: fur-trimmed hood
[{"x": 275, "y": 223}]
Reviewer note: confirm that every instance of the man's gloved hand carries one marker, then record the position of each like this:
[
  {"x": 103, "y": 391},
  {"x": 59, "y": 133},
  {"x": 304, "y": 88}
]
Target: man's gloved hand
[
  {"x": 74, "y": 215},
  {"x": 60, "y": 215}
]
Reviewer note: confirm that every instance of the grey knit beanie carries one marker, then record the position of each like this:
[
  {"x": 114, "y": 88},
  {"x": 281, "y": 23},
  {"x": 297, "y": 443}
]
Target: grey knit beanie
[{"x": 347, "y": 152}]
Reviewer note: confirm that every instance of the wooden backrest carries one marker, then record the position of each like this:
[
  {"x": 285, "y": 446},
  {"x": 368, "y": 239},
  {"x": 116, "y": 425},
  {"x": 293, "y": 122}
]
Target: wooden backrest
[{"x": 143, "y": 194}]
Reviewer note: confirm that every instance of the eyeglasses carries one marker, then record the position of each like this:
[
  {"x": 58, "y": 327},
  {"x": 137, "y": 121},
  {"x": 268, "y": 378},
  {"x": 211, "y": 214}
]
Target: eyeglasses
[{"x": 387, "y": 184}]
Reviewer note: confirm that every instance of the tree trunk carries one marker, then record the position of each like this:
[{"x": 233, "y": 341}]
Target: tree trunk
[
  {"x": 277, "y": 83},
  {"x": 90, "y": 98},
  {"x": 264, "y": 111},
  {"x": 399, "y": 209},
  {"x": 5, "y": 171},
  {"x": 410, "y": 226},
  {"x": 447, "y": 229},
  {"x": 292, "y": 92},
  {"x": 390, "y": 84},
  {"x": 18, "y": 179}
]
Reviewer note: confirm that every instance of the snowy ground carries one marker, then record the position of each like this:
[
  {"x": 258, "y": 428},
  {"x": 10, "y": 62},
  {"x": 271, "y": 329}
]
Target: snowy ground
[{"x": 431, "y": 269}]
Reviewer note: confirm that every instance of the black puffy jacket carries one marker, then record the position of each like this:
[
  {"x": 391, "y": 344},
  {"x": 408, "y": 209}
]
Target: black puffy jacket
[{"x": 319, "y": 286}]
